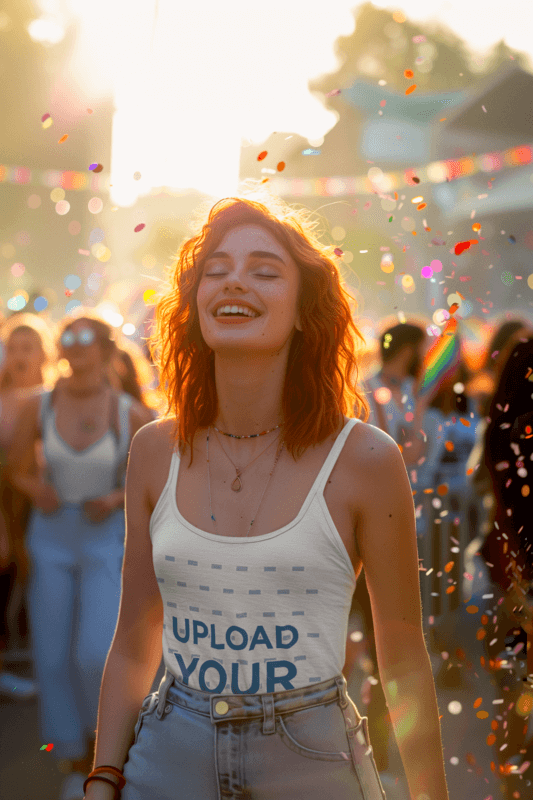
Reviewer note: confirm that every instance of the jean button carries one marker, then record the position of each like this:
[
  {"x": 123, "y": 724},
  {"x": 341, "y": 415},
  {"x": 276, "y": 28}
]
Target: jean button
[
  {"x": 168, "y": 708},
  {"x": 221, "y": 707}
]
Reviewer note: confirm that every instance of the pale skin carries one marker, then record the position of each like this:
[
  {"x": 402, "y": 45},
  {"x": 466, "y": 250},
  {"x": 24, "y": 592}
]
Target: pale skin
[
  {"x": 250, "y": 366},
  {"x": 91, "y": 398}
]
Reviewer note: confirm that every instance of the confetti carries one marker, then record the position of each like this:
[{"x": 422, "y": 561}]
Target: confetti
[
  {"x": 89, "y": 111},
  {"x": 408, "y": 73},
  {"x": 507, "y": 278},
  {"x": 484, "y": 109},
  {"x": 410, "y": 89},
  {"x": 338, "y": 251},
  {"x": 281, "y": 166},
  {"x": 421, "y": 206},
  {"x": 63, "y": 139},
  {"x": 415, "y": 179},
  {"x": 137, "y": 175},
  {"x": 96, "y": 167},
  {"x": 45, "y": 117},
  {"x": 47, "y": 747},
  {"x": 310, "y": 152},
  {"x": 263, "y": 154},
  {"x": 460, "y": 247},
  {"x": 511, "y": 239},
  {"x": 333, "y": 93},
  {"x": 139, "y": 227},
  {"x": 46, "y": 120}
]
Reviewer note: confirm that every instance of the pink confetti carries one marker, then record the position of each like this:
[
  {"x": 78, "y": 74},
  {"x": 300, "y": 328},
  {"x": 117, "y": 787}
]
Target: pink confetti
[
  {"x": 139, "y": 227},
  {"x": 337, "y": 251},
  {"x": 84, "y": 252},
  {"x": 333, "y": 93}
]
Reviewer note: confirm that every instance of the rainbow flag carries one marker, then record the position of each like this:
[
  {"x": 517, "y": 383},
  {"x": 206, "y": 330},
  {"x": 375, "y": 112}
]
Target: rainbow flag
[{"x": 441, "y": 358}]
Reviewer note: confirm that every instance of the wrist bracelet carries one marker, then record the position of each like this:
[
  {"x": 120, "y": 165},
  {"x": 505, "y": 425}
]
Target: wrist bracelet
[
  {"x": 115, "y": 771},
  {"x": 106, "y": 780}
]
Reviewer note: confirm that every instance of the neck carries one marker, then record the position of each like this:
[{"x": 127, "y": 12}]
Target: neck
[
  {"x": 249, "y": 397},
  {"x": 85, "y": 386},
  {"x": 393, "y": 374}
]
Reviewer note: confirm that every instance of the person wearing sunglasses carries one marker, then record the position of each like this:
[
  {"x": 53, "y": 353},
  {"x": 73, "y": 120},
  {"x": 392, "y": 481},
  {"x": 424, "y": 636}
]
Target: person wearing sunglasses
[{"x": 75, "y": 536}]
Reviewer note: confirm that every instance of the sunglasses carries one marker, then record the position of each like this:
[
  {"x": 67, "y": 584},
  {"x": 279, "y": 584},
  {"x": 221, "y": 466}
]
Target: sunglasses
[{"x": 85, "y": 337}]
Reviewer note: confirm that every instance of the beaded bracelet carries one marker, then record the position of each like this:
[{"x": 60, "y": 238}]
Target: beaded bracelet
[
  {"x": 115, "y": 771},
  {"x": 106, "y": 780}
]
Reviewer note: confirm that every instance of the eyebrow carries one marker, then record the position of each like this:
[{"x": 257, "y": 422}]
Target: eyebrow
[{"x": 253, "y": 254}]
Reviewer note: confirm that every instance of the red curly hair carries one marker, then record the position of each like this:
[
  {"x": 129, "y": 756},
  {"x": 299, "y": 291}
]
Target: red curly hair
[{"x": 324, "y": 349}]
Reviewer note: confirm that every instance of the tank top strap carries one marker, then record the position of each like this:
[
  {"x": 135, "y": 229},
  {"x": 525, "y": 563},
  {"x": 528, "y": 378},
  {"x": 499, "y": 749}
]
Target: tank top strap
[
  {"x": 46, "y": 411},
  {"x": 333, "y": 455}
]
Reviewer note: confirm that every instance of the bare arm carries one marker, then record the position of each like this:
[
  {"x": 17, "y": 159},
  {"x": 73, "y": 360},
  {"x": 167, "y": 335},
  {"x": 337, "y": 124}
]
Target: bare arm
[
  {"x": 386, "y": 536},
  {"x": 20, "y": 469},
  {"x": 136, "y": 650}
]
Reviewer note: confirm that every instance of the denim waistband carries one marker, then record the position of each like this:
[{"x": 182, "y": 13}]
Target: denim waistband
[{"x": 224, "y": 707}]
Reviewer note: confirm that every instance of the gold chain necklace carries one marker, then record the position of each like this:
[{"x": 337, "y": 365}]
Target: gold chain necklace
[
  {"x": 240, "y": 483},
  {"x": 237, "y": 483}
]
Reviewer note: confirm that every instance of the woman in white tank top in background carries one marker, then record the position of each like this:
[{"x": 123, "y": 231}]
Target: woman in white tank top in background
[
  {"x": 75, "y": 537},
  {"x": 251, "y": 510}
]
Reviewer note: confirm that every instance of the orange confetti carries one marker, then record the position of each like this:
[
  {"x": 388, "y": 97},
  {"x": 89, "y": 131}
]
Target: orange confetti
[
  {"x": 450, "y": 589},
  {"x": 89, "y": 111},
  {"x": 408, "y": 73},
  {"x": 264, "y": 180},
  {"x": 262, "y": 155},
  {"x": 442, "y": 489},
  {"x": 442, "y": 119},
  {"x": 63, "y": 138},
  {"x": 478, "y": 702},
  {"x": 410, "y": 89},
  {"x": 449, "y": 446},
  {"x": 465, "y": 422},
  {"x": 482, "y": 714},
  {"x": 472, "y": 609},
  {"x": 448, "y": 566},
  {"x": 281, "y": 166},
  {"x": 484, "y": 619},
  {"x": 476, "y": 226},
  {"x": 453, "y": 308},
  {"x": 481, "y": 634},
  {"x": 525, "y": 491},
  {"x": 421, "y": 206}
]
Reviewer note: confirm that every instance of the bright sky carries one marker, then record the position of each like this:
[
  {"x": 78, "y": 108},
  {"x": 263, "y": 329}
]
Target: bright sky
[{"x": 209, "y": 74}]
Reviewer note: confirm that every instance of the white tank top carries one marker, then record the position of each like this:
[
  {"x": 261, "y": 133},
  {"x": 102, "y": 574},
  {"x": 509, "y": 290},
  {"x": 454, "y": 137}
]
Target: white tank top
[
  {"x": 250, "y": 616},
  {"x": 82, "y": 475}
]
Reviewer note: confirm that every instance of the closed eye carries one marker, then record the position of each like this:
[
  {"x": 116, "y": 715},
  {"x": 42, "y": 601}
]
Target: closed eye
[{"x": 217, "y": 274}]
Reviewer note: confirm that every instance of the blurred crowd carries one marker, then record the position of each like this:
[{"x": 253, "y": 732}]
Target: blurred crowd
[{"x": 73, "y": 394}]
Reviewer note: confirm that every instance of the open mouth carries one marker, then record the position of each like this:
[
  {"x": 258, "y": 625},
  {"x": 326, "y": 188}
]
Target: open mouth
[{"x": 235, "y": 314}]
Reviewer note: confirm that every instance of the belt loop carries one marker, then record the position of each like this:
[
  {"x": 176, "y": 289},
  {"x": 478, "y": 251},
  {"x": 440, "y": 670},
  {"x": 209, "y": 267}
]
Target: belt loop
[
  {"x": 269, "y": 720},
  {"x": 166, "y": 683},
  {"x": 341, "y": 685}
]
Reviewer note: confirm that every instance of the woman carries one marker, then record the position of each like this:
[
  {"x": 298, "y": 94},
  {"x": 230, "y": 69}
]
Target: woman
[
  {"x": 221, "y": 557},
  {"x": 509, "y": 544},
  {"x": 76, "y": 532},
  {"x": 29, "y": 361}
]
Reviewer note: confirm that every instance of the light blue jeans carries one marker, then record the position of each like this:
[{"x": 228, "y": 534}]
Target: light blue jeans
[
  {"x": 73, "y": 599},
  {"x": 300, "y": 744}
]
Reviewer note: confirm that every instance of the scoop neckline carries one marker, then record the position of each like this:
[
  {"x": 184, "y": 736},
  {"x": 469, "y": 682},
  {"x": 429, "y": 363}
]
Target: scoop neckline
[{"x": 263, "y": 536}]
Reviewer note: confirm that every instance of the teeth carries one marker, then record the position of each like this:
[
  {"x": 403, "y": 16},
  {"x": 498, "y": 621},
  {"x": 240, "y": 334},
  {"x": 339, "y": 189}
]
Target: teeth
[{"x": 235, "y": 309}]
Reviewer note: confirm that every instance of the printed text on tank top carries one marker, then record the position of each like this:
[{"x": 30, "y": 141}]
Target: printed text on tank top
[{"x": 287, "y": 492}]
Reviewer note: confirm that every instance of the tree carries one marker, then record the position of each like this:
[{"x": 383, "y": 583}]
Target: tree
[{"x": 381, "y": 48}]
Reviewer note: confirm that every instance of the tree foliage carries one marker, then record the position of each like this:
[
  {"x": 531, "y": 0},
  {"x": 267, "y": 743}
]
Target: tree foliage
[{"x": 381, "y": 48}]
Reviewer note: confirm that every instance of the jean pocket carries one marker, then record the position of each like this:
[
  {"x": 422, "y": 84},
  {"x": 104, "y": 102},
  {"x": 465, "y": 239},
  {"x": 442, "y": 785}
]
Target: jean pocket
[
  {"x": 147, "y": 706},
  {"x": 364, "y": 763},
  {"x": 317, "y": 732}
]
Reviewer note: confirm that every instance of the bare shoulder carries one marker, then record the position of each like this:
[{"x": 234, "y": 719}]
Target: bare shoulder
[
  {"x": 370, "y": 447},
  {"x": 373, "y": 463},
  {"x": 152, "y": 447}
]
